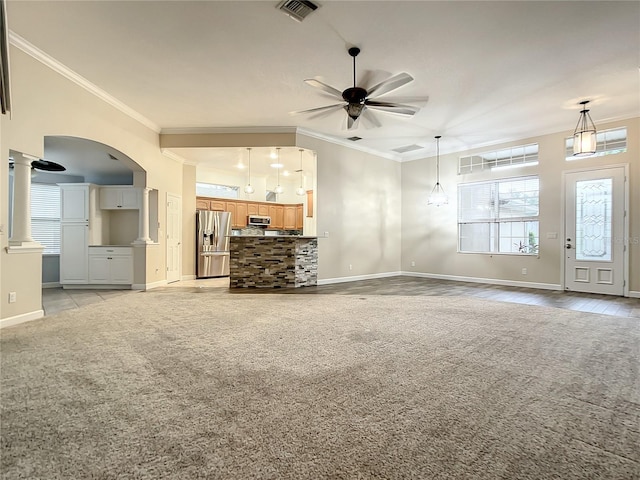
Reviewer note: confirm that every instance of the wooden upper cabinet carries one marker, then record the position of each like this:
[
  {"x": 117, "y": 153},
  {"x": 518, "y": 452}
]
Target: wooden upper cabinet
[
  {"x": 202, "y": 204},
  {"x": 252, "y": 209},
  {"x": 218, "y": 205},
  {"x": 263, "y": 209},
  {"x": 231, "y": 208},
  {"x": 240, "y": 218},
  {"x": 309, "y": 203},
  {"x": 299, "y": 217},
  {"x": 289, "y": 217},
  {"x": 276, "y": 212}
]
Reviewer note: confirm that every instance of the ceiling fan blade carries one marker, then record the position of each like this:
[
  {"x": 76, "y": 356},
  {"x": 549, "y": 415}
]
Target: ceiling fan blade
[
  {"x": 397, "y": 108},
  {"x": 324, "y": 87},
  {"x": 370, "y": 118},
  {"x": 319, "y": 110},
  {"x": 390, "y": 84}
]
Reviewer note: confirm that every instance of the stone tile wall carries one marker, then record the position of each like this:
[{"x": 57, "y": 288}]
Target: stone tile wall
[{"x": 273, "y": 262}]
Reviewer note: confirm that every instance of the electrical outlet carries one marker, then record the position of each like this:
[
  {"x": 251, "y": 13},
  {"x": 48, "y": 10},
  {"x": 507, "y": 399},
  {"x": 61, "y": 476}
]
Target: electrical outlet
[
  {"x": 524, "y": 271},
  {"x": 326, "y": 234},
  {"x": 12, "y": 297},
  {"x": 413, "y": 264},
  {"x": 350, "y": 267}
]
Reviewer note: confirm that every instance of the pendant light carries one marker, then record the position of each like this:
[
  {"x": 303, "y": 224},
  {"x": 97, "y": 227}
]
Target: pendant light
[
  {"x": 278, "y": 188},
  {"x": 584, "y": 136},
  {"x": 300, "y": 190},
  {"x": 438, "y": 197},
  {"x": 248, "y": 188}
]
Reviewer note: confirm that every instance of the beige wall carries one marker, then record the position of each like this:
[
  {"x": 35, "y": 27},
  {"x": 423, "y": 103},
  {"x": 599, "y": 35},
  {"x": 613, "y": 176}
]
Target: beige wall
[
  {"x": 429, "y": 234},
  {"x": 189, "y": 221},
  {"x": 45, "y": 103},
  {"x": 358, "y": 203}
]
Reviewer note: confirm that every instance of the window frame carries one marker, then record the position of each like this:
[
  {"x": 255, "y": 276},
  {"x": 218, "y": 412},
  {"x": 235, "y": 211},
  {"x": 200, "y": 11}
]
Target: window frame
[{"x": 494, "y": 221}]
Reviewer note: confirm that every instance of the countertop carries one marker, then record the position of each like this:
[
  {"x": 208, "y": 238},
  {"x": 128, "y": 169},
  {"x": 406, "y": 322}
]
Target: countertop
[{"x": 272, "y": 236}]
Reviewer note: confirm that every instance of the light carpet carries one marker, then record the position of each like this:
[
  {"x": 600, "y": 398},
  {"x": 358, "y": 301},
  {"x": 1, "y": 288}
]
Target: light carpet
[{"x": 182, "y": 385}]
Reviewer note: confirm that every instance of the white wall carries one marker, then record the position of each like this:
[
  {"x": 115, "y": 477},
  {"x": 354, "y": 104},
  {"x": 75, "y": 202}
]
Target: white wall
[{"x": 429, "y": 233}]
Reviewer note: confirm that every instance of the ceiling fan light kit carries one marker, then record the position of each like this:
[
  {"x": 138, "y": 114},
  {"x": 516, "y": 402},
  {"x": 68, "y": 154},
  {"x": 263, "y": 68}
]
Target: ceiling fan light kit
[
  {"x": 584, "y": 135},
  {"x": 358, "y": 100}
]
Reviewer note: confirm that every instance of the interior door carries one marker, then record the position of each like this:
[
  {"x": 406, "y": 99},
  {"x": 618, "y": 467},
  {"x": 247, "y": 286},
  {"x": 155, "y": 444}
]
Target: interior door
[
  {"x": 174, "y": 237},
  {"x": 595, "y": 231}
]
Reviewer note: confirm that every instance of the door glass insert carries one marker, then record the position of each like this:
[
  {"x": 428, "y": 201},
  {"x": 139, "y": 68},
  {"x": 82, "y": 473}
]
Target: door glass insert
[{"x": 593, "y": 219}]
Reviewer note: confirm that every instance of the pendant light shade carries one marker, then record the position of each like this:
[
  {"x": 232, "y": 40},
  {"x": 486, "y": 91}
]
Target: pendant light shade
[
  {"x": 278, "y": 188},
  {"x": 438, "y": 197},
  {"x": 248, "y": 188},
  {"x": 300, "y": 190},
  {"x": 584, "y": 136}
]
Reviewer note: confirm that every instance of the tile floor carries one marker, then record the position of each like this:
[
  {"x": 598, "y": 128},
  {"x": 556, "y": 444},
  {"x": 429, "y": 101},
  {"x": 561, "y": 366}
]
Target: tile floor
[{"x": 55, "y": 300}]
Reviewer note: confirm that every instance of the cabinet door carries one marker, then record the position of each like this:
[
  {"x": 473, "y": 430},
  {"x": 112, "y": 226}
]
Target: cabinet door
[
  {"x": 290, "y": 217},
  {"x": 299, "y": 217},
  {"x": 74, "y": 203},
  {"x": 217, "y": 205},
  {"x": 74, "y": 250},
  {"x": 240, "y": 219},
  {"x": 202, "y": 204},
  {"x": 109, "y": 198},
  {"x": 252, "y": 209},
  {"x": 263, "y": 209},
  {"x": 98, "y": 269},
  {"x": 276, "y": 212},
  {"x": 129, "y": 198},
  {"x": 121, "y": 269},
  {"x": 231, "y": 208}
]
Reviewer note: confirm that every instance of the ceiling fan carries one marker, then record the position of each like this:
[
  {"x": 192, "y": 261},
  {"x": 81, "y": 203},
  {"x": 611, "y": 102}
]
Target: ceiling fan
[{"x": 357, "y": 101}]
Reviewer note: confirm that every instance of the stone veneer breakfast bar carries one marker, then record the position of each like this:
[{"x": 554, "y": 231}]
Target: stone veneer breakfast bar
[{"x": 273, "y": 261}]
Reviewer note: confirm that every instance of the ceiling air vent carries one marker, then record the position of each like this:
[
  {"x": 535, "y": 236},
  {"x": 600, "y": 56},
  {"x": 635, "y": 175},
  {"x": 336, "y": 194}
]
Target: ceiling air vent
[
  {"x": 408, "y": 148},
  {"x": 297, "y": 9},
  {"x": 354, "y": 139}
]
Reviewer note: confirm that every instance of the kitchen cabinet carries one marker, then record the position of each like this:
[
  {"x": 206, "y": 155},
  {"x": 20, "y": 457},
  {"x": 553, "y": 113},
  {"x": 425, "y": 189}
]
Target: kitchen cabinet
[
  {"x": 240, "y": 218},
  {"x": 217, "y": 205},
  {"x": 114, "y": 198},
  {"x": 74, "y": 241},
  {"x": 263, "y": 209},
  {"x": 276, "y": 212},
  {"x": 74, "y": 202},
  {"x": 299, "y": 217},
  {"x": 231, "y": 208},
  {"x": 290, "y": 214},
  {"x": 110, "y": 265},
  {"x": 252, "y": 208},
  {"x": 202, "y": 204}
]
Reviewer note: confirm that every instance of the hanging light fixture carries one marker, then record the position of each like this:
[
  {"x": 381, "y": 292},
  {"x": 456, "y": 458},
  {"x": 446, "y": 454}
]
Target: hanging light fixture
[
  {"x": 248, "y": 188},
  {"x": 584, "y": 136},
  {"x": 278, "y": 188},
  {"x": 300, "y": 190},
  {"x": 438, "y": 197}
]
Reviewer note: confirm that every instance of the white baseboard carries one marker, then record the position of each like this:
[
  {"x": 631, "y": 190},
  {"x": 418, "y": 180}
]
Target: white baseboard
[
  {"x": 490, "y": 281},
  {"x": 22, "y": 318},
  {"x": 51, "y": 285},
  {"x": 91, "y": 286},
  {"x": 355, "y": 278},
  {"x": 188, "y": 277},
  {"x": 634, "y": 294},
  {"x": 148, "y": 286}
]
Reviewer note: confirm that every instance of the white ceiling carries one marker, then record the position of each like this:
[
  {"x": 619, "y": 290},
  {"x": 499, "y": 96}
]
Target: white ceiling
[{"x": 492, "y": 71}]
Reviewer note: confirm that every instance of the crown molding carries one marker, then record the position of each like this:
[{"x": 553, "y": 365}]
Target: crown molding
[
  {"x": 177, "y": 158},
  {"x": 33, "y": 51}
]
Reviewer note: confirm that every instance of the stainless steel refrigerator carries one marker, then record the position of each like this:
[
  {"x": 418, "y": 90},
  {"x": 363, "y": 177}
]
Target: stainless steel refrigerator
[{"x": 212, "y": 239}]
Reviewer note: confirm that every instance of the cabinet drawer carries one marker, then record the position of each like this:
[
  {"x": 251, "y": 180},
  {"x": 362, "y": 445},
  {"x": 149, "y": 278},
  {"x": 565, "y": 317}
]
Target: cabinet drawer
[{"x": 110, "y": 251}]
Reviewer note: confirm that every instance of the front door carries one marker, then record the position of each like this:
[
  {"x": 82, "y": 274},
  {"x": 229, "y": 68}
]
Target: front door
[
  {"x": 174, "y": 237},
  {"x": 595, "y": 231}
]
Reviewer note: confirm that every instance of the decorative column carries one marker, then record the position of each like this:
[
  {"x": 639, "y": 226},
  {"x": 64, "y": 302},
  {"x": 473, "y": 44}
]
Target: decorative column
[
  {"x": 21, "y": 218},
  {"x": 143, "y": 217}
]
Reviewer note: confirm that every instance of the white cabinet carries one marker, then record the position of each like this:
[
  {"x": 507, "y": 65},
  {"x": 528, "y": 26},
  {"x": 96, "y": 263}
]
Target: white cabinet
[
  {"x": 74, "y": 241},
  {"x": 111, "y": 265},
  {"x": 74, "y": 202},
  {"x": 113, "y": 198}
]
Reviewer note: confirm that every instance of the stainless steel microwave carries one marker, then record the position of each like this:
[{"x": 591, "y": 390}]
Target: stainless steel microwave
[{"x": 259, "y": 220}]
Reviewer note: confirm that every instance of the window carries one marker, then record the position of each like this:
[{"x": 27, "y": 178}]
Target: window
[
  {"x": 500, "y": 216},
  {"x": 608, "y": 142},
  {"x": 215, "y": 190},
  {"x": 499, "y": 159},
  {"x": 45, "y": 216}
]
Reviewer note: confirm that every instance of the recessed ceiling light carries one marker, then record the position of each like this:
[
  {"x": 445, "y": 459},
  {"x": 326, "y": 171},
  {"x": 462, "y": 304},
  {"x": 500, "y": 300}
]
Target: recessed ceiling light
[
  {"x": 286, "y": 173},
  {"x": 276, "y": 165}
]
